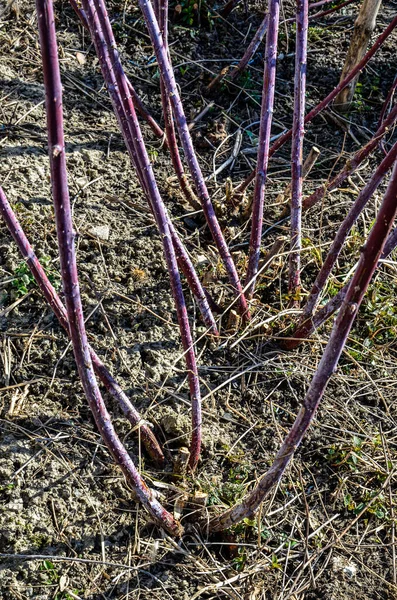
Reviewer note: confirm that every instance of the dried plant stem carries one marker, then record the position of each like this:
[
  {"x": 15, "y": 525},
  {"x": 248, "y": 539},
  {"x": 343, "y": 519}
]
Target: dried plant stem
[
  {"x": 363, "y": 28},
  {"x": 344, "y": 230},
  {"x": 112, "y": 70},
  {"x": 352, "y": 164},
  {"x": 369, "y": 259},
  {"x": 324, "y": 103},
  {"x": 167, "y": 75},
  {"x": 269, "y": 78},
  {"x": 310, "y": 160},
  {"x": 201, "y": 115},
  {"x": 26, "y": 250},
  {"x": 273, "y": 252},
  {"x": 294, "y": 279},
  {"x": 65, "y": 233}
]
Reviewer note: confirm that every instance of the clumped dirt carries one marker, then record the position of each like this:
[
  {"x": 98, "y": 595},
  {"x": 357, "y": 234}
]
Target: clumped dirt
[{"x": 69, "y": 525}]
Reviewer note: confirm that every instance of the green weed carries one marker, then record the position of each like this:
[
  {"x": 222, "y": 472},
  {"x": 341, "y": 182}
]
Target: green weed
[{"x": 24, "y": 282}]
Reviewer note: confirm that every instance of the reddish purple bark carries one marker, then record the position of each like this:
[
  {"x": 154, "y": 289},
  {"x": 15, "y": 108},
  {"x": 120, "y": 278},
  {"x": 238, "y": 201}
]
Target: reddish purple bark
[
  {"x": 65, "y": 234},
  {"x": 329, "y": 11},
  {"x": 139, "y": 105},
  {"x": 269, "y": 78},
  {"x": 324, "y": 103},
  {"x": 168, "y": 77},
  {"x": 306, "y": 329},
  {"x": 369, "y": 259},
  {"x": 388, "y": 101},
  {"x": 229, "y": 6},
  {"x": 172, "y": 142},
  {"x": 352, "y": 164},
  {"x": 202, "y": 297},
  {"x": 322, "y": 2},
  {"x": 26, "y": 250},
  {"x": 260, "y": 33},
  {"x": 298, "y": 133},
  {"x": 252, "y": 48},
  {"x": 344, "y": 230},
  {"x": 112, "y": 70}
]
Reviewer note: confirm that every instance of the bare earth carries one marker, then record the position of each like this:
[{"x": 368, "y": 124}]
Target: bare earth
[{"x": 328, "y": 531}]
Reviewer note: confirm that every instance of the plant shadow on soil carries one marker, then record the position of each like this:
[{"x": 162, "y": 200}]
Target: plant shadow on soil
[{"x": 59, "y": 490}]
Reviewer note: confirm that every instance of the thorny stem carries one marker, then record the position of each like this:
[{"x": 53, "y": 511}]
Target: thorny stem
[
  {"x": 26, "y": 250},
  {"x": 162, "y": 17},
  {"x": 260, "y": 34},
  {"x": 102, "y": 35},
  {"x": 269, "y": 78},
  {"x": 324, "y": 103},
  {"x": 306, "y": 329},
  {"x": 65, "y": 233},
  {"x": 252, "y": 48},
  {"x": 309, "y": 163},
  {"x": 294, "y": 281},
  {"x": 168, "y": 77},
  {"x": 139, "y": 105},
  {"x": 364, "y": 196},
  {"x": 353, "y": 163},
  {"x": 185, "y": 264},
  {"x": 369, "y": 259}
]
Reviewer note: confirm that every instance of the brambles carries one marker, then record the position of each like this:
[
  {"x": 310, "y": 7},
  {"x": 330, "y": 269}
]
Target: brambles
[
  {"x": 226, "y": 265},
  {"x": 65, "y": 233},
  {"x": 294, "y": 278}
]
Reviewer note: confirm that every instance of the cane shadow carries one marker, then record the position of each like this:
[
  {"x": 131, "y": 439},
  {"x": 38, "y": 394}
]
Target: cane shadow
[
  {"x": 33, "y": 92},
  {"x": 151, "y": 577}
]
